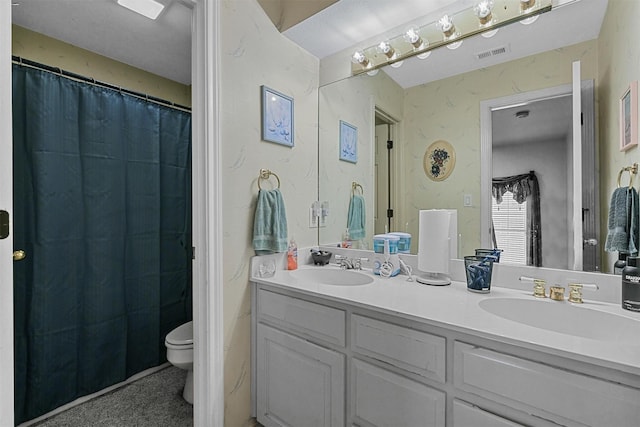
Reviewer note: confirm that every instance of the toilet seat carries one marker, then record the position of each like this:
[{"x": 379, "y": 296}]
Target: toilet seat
[{"x": 181, "y": 337}]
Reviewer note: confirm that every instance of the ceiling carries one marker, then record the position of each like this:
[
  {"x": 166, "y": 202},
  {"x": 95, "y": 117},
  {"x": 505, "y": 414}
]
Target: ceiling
[
  {"x": 104, "y": 27},
  {"x": 546, "y": 120},
  {"x": 162, "y": 47}
]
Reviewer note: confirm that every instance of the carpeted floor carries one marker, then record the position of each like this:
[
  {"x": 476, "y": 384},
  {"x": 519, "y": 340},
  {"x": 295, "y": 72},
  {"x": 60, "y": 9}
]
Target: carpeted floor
[{"x": 153, "y": 401}]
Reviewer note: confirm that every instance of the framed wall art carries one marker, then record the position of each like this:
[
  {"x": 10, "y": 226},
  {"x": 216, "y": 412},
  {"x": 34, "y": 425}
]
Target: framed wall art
[
  {"x": 277, "y": 117},
  {"x": 348, "y": 142},
  {"x": 629, "y": 117},
  {"x": 439, "y": 160}
]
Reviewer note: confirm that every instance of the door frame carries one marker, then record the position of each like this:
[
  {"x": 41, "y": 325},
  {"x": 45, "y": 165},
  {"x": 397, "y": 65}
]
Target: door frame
[
  {"x": 486, "y": 130},
  {"x": 208, "y": 303},
  {"x": 6, "y": 203},
  {"x": 207, "y": 218}
]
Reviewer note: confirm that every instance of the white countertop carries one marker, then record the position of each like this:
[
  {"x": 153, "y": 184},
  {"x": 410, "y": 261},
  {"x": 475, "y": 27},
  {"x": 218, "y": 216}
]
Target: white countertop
[{"x": 454, "y": 307}]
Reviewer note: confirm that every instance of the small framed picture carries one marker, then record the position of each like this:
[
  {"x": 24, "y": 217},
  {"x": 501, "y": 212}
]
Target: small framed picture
[
  {"x": 277, "y": 117},
  {"x": 348, "y": 142},
  {"x": 629, "y": 117}
]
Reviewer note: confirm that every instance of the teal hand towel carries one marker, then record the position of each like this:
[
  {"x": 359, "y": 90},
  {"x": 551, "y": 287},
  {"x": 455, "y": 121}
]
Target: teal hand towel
[
  {"x": 622, "y": 233},
  {"x": 632, "y": 202},
  {"x": 356, "y": 218},
  {"x": 270, "y": 223}
]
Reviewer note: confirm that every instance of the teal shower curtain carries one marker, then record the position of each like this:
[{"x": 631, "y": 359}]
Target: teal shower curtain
[{"x": 102, "y": 205}]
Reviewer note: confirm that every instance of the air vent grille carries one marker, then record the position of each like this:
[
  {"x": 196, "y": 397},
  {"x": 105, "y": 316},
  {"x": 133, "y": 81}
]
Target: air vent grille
[{"x": 492, "y": 52}]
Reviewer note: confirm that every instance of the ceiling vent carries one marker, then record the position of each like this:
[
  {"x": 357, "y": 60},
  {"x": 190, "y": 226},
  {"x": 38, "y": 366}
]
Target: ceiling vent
[{"x": 493, "y": 52}]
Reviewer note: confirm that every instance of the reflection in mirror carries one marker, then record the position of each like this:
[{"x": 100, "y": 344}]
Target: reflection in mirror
[
  {"x": 354, "y": 101},
  {"x": 532, "y": 143},
  {"x": 447, "y": 109}
]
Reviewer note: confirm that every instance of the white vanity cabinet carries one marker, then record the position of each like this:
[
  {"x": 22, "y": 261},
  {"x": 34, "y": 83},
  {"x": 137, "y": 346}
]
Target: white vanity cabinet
[
  {"x": 330, "y": 362},
  {"x": 382, "y": 394},
  {"x": 298, "y": 382}
]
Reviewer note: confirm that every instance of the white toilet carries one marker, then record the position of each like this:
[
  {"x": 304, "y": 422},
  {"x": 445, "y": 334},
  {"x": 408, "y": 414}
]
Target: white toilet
[{"x": 179, "y": 343}]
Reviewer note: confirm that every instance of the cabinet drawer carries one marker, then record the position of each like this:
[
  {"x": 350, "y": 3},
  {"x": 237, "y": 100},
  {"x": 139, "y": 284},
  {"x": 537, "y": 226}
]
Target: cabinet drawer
[
  {"x": 466, "y": 415},
  {"x": 521, "y": 384},
  {"x": 406, "y": 348},
  {"x": 316, "y": 320},
  {"x": 382, "y": 398}
]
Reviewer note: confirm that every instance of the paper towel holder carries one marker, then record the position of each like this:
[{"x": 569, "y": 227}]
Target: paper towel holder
[
  {"x": 437, "y": 244},
  {"x": 433, "y": 279}
]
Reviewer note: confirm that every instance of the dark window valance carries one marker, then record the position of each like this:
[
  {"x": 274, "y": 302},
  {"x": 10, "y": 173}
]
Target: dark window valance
[
  {"x": 523, "y": 187},
  {"x": 520, "y": 185}
]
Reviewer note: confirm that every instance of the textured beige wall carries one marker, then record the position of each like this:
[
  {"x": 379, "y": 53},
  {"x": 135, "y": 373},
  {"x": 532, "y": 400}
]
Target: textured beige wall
[
  {"x": 45, "y": 50},
  {"x": 618, "y": 65},
  {"x": 449, "y": 109},
  {"x": 353, "y": 101},
  {"x": 253, "y": 53}
]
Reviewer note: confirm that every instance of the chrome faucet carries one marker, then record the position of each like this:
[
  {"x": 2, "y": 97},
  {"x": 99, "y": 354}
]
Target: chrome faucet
[{"x": 347, "y": 263}]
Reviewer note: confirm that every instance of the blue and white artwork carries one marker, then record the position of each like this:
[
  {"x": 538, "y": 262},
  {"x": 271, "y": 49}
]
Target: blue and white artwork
[
  {"x": 348, "y": 142},
  {"x": 277, "y": 117}
]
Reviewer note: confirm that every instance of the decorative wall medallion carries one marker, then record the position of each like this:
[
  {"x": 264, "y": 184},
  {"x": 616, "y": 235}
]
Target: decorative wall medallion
[{"x": 439, "y": 160}]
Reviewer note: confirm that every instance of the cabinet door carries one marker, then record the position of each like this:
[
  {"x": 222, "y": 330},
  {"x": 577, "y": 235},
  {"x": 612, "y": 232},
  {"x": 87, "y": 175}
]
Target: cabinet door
[
  {"x": 382, "y": 398},
  {"x": 298, "y": 383}
]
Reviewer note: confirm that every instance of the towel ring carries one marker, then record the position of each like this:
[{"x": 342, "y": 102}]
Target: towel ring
[
  {"x": 355, "y": 186},
  {"x": 633, "y": 170},
  {"x": 266, "y": 174}
]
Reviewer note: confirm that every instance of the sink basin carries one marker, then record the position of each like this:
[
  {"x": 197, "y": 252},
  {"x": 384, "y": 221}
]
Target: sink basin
[
  {"x": 335, "y": 277},
  {"x": 565, "y": 318}
]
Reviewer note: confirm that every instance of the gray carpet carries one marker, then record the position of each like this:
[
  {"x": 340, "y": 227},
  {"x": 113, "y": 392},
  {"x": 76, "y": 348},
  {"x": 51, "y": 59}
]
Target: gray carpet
[{"x": 153, "y": 401}]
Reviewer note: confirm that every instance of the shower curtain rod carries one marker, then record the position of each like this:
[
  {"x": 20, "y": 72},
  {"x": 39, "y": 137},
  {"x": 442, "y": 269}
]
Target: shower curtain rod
[{"x": 68, "y": 74}]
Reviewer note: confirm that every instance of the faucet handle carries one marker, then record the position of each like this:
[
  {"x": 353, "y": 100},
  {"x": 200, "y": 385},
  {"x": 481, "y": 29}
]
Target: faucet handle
[
  {"x": 539, "y": 290},
  {"x": 575, "y": 291}
]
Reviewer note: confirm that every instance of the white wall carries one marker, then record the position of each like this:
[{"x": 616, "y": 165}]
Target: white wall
[{"x": 254, "y": 53}]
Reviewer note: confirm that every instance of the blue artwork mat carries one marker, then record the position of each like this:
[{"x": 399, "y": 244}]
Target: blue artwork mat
[
  {"x": 277, "y": 117},
  {"x": 348, "y": 142}
]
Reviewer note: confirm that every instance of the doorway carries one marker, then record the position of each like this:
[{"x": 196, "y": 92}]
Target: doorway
[
  {"x": 385, "y": 149},
  {"x": 207, "y": 190},
  {"x": 518, "y": 127}
]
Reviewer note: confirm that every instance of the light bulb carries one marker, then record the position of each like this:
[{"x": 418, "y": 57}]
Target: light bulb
[
  {"x": 449, "y": 30},
  {"x": 446, "y": 25},
  {"x": 418, "y": 43},
  {"x": 386, "y": 49},
  {"x": 483, "y": 10},
  {"x": 359, "y": 58},
  {"x": 412, "y": 36}
]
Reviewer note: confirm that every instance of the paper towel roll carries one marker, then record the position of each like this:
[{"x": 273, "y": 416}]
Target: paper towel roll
[{"x": 437, "y": 238}]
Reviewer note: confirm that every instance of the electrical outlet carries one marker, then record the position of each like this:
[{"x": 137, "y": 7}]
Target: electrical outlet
[{"x": 467, "y": 200}]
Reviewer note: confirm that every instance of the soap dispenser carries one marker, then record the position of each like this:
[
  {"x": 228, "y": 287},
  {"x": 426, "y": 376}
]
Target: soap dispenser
[{"x": 292, "y": 255}]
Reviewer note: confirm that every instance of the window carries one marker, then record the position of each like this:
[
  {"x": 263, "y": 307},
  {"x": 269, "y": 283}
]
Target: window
[{"x": 510, "y": 227}]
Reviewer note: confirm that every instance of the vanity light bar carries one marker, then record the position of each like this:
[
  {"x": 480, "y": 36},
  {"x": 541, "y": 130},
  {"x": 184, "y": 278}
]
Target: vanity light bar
[{"x": 433, "y": 35}]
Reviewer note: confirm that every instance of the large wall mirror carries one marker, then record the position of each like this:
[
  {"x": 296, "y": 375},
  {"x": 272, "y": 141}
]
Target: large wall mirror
[{"x": 451, "y": 109}]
